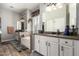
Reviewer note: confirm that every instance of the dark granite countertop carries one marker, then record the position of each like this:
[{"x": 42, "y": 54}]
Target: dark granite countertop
[{"x": 59, "y": 36}]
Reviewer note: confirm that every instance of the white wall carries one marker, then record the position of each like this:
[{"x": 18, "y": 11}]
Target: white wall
[
  {"x": 8, "y": 18},
  {"x": 28, "y": 23}
]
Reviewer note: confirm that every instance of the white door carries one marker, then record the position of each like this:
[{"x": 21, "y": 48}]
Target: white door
[
  {"x": 52, "y": 49},
  {"x": 76, "y": 47},
  {"x": 36, "y": 43},
  {"x": 43, "y": 45},
  {"x": 66, "y": 50}
]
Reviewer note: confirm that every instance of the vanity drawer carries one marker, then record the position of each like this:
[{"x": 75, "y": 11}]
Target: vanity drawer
[
  {"x": 67, "y": 42},
  {"x": 53, "y": 39}
]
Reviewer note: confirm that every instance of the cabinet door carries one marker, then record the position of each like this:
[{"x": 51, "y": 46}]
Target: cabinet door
[
  {"x": 26, "y": 42},
  {"x": 52, "y": 49},
  {"x": 43, "y": 45},
  {"x": 66, "y": 50},
  {"x": 36, "y": 43},
  {"x": 76, "y": 47}
]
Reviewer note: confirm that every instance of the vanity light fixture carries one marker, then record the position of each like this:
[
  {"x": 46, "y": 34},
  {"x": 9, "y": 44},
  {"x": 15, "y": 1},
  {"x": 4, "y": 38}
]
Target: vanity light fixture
[
  {"x": 53, "y": 6},
  {"x": 50, "y": 6}
]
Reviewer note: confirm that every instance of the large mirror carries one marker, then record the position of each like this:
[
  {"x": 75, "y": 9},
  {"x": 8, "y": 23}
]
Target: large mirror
[
  {"x": 55, "y": 17},
  {"x": 72, "y": 12}
]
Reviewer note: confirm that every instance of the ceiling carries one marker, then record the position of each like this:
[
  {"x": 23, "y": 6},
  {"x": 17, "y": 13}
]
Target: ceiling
[{"x": 19, "y": 7}]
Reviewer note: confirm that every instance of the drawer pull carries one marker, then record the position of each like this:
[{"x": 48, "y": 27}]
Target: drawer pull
[
  {"x": 66, "y": 42},
  {"x": 38, "y": 41},
  {"x": 46, "y": 43},
  {"x": 62, "y": 48},
  {"x": 49, "y": 44}
]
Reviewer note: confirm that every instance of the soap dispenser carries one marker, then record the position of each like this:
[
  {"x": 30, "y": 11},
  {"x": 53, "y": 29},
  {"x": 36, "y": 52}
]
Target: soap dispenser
[{"x": 66, "y": 32}]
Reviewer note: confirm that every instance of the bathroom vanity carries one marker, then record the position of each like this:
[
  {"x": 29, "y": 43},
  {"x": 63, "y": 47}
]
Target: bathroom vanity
[{"x": 56, "y": 45}]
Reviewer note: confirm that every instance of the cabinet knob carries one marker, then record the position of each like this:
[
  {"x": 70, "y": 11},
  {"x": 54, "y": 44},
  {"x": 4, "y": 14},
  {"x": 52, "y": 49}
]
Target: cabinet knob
[
  {"x": 66, "y": 42},
  {"x": 46, "y": 43},
  {"x": 62, "y": 48},
  {"x": 49, "y": 44},
  {"x": 38, "y": 41}
]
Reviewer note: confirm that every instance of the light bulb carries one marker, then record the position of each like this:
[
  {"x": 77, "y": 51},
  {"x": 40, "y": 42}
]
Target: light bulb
[
  {"x": 59, "y": 5},
  {"x": 54, "y": 7},
  {"x": 48, "y": 8}
]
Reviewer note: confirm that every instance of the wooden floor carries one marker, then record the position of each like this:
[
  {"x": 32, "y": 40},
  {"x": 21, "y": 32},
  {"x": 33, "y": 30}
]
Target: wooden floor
[{"x": 9, "y": 50}]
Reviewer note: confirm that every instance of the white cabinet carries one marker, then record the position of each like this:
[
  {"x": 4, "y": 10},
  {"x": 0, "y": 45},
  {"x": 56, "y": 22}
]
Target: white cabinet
[
  {"x": 66, "y": 48},
  {"x": 25, "y": 39},
  {"x": 46, "y": 45},
  {"x": 43, "y": 45},
  {"x": 52, "y": 46},
  {"x": 76, "y": 47},
  {"x": 36, "y": 46},
  {"x": 26, "y": 42},
  {"x": 52, "y": 49}
]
